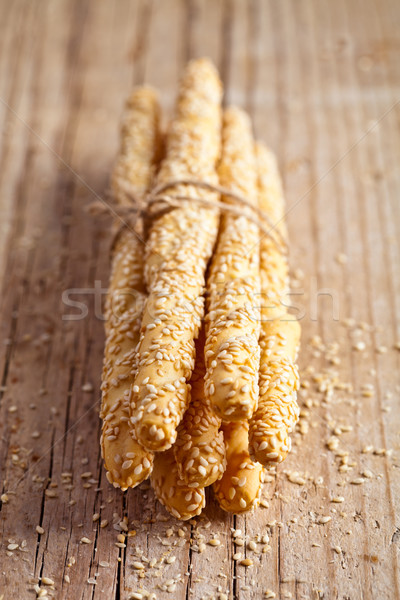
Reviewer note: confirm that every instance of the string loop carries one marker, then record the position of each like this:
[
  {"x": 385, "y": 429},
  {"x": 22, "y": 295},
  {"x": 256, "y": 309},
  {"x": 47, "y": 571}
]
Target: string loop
[{"x": 143, "y": 210}]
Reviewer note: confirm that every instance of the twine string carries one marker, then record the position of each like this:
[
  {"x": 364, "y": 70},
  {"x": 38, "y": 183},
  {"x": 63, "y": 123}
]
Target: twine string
[{"x": 149, "y": 207}]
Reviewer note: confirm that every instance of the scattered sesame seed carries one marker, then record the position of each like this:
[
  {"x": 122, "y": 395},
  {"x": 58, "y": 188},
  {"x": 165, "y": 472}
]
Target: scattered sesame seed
[
  {"x": 367, "y": 473},
  {"x": 214, "y": 542},
  {"x": 341, "y": 258},
  {"x": 252, "y": 545},
  {"x": 296, "y": 478},
  {"x": 238, "y": 542},
  {"x": 358, "y": 481},
  {"x": 337, "y": 499},
  {"x": 87, "y": 387},
  {"x": 246, "y": 562},
  {"x": 12, "y": 546},
  {"x": 359, "y": 346},
  {"x": 51, "y": 493}
]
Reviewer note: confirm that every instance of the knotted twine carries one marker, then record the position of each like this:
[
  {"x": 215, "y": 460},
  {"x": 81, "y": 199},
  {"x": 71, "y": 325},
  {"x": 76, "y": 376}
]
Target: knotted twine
[{"x": 143, "y": 210}]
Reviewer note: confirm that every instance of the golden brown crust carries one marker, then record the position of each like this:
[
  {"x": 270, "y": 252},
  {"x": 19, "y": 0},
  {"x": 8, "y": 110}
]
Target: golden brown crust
[
  {"x": 233, "y": 320},
  {"x": 126, "y": 462},
  {"x": 199, "y": 448},
  {"x": 181, "y": 500},
  {"x": 179, "y": 247},
  {"x": 277, "y": 411},
  {"x": 239, "y": 488}
]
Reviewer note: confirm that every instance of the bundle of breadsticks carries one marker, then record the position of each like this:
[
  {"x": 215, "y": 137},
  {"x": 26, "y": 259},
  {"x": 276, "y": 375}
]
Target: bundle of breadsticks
[{"x": 199, "y": 380}]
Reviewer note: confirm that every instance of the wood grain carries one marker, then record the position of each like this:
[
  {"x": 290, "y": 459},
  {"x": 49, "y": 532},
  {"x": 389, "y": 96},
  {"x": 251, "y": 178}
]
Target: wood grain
[{"x": 321, "y": 80}]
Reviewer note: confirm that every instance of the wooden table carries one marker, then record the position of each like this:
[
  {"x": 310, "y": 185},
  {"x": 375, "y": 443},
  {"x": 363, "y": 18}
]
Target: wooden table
[{"x": 322, "y": 83}]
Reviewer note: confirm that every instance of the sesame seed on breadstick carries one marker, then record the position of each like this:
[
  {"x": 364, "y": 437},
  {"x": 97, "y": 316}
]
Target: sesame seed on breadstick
[
  {"x": 233, "y": 321},
  {"x": 273, "y": 262},
  {"x": 179, "y": 246},
  {"x": 126, "y": 462},
  {"x": 199, "y": 447},
  {"x": 277, "y": 411},
  {"x": 180, "y": 499},
  {"x": 239, "y": 489},
  {"x": 140, "y": 146}
]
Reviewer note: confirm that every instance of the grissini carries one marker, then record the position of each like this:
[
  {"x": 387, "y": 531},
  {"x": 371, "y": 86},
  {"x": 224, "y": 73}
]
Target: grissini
[
  {"x": 239, "y": 488},
  {"x": 179, "y": 246},
  {"x": 180, "y": 499},
  {"x": 199, "y": 448},
  {"x": 126, "y": 462},
  {"x": 233, "y": 320},
  {"x": 277, "y": 411}
]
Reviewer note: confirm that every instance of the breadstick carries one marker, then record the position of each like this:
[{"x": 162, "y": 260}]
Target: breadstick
[
  {"x": 233, "y": 321},
  {"x": 140, "y": 146},
  {"x": 239, "y": 488},
  {"x": 277, "y": 411},
  {"x": 273, "y": 263},
  {"x": 179, "y": 247},
  {"x": 181, "y": 500},
  {"x": 127, "y": 463},
  {"x": 199, "y": 447}
]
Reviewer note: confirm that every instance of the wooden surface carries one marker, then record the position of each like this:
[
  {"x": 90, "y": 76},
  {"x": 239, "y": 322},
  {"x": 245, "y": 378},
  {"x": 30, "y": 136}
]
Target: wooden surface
[{"x": 321, "y": 80}]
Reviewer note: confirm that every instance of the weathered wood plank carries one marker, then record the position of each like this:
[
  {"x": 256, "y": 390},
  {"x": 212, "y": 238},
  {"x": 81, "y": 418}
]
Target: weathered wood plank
[{"x": 321, "y": 81}]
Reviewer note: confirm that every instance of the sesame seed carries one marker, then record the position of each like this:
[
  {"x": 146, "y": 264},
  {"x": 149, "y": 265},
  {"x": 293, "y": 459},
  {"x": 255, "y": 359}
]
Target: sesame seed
[
  {"x": 252, "y": 545},
  {"x": 214, "y": 542},
  {"x": 87, "y": 387},
  {"x": 246, "y": 562},
  {"x": 337, "y": 499},
  {"x": 12, "y": 546},
  {"x": 238, "y": 542},
  {"x": 323, "y": 520},
  {"x": 367, "y": 473},
  {"x": 127, "y": 464}
]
